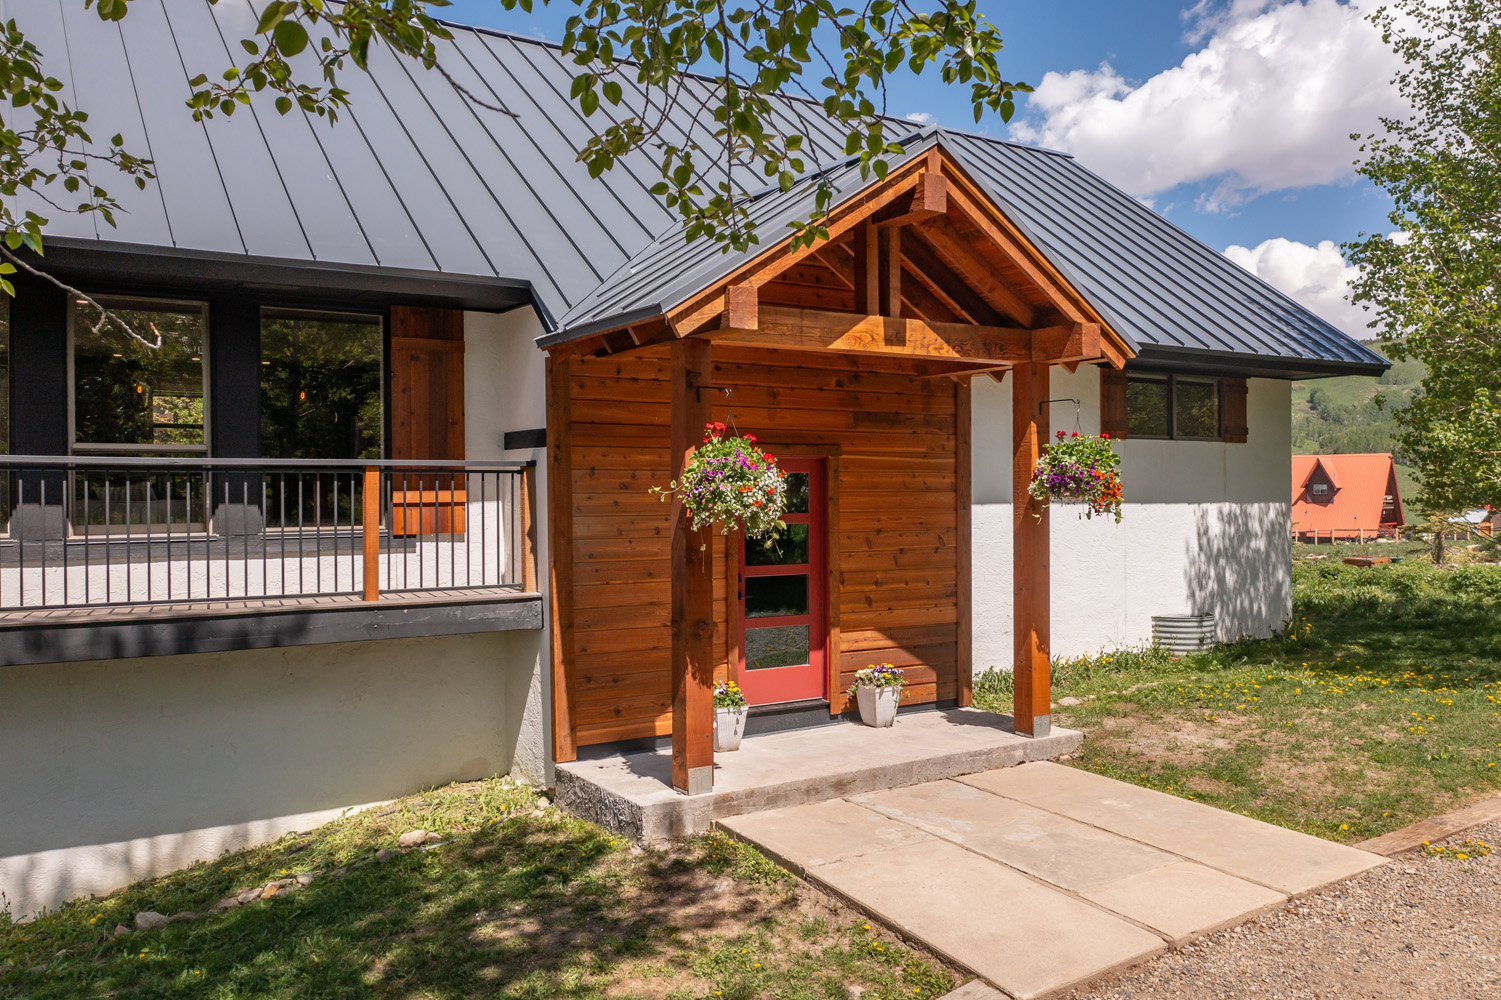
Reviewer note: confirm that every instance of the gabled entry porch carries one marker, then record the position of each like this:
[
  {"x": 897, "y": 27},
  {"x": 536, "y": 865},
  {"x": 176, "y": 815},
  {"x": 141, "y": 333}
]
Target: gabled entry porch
[{"x": 850, "y": 359}]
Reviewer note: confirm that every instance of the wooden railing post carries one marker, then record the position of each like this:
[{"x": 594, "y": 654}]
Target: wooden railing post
[
  {"x": 529, "y": 529},
  {"x": 370, "y": 502}
]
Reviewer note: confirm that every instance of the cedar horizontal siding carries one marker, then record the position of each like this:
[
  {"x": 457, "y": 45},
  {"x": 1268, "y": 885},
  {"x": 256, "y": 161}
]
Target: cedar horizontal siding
[{"x": 898, "y": 546}]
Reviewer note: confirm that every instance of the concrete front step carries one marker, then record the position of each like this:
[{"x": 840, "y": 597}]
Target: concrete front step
[{"x": 632, "y": 794}]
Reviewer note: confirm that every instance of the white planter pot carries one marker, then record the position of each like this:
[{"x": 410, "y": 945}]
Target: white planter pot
[
  {"x": 729, "y": 727},
  {"x": 878, "y": 705}
]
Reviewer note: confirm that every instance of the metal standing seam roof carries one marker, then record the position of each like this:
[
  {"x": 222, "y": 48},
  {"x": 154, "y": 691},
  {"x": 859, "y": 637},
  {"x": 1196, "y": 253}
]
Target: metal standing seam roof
[{"x": 415, "y": 177}]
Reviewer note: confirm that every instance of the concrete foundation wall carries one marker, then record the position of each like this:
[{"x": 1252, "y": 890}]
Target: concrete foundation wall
[
  {"x": 1205, "y": 529},
  {"x": 115, "y": 770}
]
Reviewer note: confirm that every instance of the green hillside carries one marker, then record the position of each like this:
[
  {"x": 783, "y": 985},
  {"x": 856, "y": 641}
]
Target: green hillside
[{"x": 1341, "y": 416}]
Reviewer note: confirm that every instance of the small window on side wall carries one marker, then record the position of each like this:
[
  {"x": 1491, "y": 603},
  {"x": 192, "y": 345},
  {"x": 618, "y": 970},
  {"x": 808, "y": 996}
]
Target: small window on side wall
[{"x": 1173, "y": 407}]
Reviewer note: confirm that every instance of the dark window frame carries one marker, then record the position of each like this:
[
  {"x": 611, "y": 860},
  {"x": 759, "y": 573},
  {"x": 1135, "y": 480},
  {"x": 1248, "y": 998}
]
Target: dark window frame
[
  {"x": 1171, "y": 380},
  {"x": 142, "y": 303}
]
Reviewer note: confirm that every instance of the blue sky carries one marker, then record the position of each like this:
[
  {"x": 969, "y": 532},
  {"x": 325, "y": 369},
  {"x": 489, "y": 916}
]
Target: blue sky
[{"x": 1231, "y": 117}]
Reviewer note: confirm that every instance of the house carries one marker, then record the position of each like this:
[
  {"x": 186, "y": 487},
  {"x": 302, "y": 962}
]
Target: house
[
  {"x": 375, "y": 515},
  {"x": 1345, "y": 497}
]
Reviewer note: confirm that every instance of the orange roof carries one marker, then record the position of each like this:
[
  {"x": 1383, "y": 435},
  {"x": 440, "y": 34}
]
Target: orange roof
[{"x": 1358, "y": 486}]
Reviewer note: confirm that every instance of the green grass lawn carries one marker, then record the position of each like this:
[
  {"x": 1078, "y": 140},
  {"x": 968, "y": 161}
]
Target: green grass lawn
[
  {"x": 1380, "y": 704},
  {"x": 517, "y": 903}
]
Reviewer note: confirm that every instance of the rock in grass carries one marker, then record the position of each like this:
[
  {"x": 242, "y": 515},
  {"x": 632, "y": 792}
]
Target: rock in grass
[
  {"x": 305, "y": 879},
  {"x": 412, "y": 838},
  {"x": 386, "y": 854},
  {"x": 1070, "y": 702},
  {"x": 121, "y": 930},
  {"x": 227, "y": 903},
  {"x": 251, "y": 894},
  {"x": 150, "y": 920},
  {"x": 184, "y": 915}
]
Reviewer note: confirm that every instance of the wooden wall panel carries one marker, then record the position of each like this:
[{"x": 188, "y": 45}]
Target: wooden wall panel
[
  {"x": 894, "y": 522},
  {"x": 427, "y": 383}
]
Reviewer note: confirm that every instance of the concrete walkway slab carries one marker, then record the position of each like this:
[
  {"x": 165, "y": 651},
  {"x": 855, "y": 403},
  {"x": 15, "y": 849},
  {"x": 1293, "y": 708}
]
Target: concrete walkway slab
[
  {"x": 988, "y": 917},
  {"x": 1184, "y": 900},
  {"x": 1057, "y": 850},
  {"x": 820, "y": 834},
  {"x": 1039, "y": 877},
  {"x": 1273, "y": 856}
]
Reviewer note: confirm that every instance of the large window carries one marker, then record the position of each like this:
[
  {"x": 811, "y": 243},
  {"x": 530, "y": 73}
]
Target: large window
[
  {"x": 1173, "y": 406},
  {"x": 320, "y": 385},
  {"x": 133, "y": 397}
]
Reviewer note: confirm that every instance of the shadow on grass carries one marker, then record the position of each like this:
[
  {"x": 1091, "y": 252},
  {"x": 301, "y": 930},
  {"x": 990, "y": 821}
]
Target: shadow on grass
[{"x": 530, "y": 908}]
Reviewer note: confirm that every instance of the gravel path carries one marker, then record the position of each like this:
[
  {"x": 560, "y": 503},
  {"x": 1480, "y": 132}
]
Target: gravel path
[{"x": 1419, "y": 928}]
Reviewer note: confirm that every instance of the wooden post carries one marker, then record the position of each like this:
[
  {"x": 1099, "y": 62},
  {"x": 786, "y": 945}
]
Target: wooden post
[
  {"x": 1031, "y": 596},
  {"x": 370, "y": 502},
  {"x": 528, "y": 501},
  {"x": 560, "y": 554},
  {"x": 692, "y": 584},
  {"x": 962, "y": 514}
]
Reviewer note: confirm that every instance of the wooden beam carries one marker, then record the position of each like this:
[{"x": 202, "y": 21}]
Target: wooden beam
[
  {"x": 692, "y": 583},
  {"x": 817, "y": 330},
  {"x": 1040, "y": 274},
  {"x": 930, "y": 199},
  {"x": 560, "y": 554},
  {"x": 976, "y": 272},
  {"x": 1030, "y": 597},
  {"x": 889, "y": 291},
  {"x": 867, "y": 270},
  {"x": 932, "y": 274},
  {"x": 1071, "y": 342},
  {"x": 741, "y": 302},
  {"x": 962, "y": 472}
]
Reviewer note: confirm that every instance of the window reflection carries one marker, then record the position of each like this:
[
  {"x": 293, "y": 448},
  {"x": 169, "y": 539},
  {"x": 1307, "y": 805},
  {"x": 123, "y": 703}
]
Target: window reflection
[
  {"x": 128, "y": 396},
  {"x": 320, "y": 385}
]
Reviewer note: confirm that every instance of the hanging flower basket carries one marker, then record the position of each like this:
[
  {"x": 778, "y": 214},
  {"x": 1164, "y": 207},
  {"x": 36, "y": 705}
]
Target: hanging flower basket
[
  {"x": 732, "y": 482},
  {"x": 1080, "y": 469}
]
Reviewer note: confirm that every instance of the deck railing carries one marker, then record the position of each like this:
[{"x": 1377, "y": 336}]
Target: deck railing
[{"x": 104, "y": 531}]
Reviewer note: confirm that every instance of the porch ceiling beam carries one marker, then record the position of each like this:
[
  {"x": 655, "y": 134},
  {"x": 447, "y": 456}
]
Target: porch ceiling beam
[
  {"x": 817, "y": 330},
  {"x": 1071, "y": 342},
  {"x": 977, "y": 273}
]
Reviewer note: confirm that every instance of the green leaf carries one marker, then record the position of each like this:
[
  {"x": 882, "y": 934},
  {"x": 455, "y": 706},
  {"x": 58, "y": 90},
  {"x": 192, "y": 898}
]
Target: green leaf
[
  {"x": 283, "y": 104},
  {"x": 290, "y": 37}
]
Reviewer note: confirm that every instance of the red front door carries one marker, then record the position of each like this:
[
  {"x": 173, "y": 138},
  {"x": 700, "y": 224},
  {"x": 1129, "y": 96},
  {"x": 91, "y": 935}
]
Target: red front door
[{"x": 781, "y": 597}]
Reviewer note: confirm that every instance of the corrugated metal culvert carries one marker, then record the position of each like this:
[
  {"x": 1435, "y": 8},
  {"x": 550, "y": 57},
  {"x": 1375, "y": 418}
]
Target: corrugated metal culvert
[{"x": 1183, "y": 633}]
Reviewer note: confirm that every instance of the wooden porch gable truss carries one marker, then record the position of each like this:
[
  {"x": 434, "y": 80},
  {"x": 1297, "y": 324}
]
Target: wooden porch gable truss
[{"x": 920, "y": 265}]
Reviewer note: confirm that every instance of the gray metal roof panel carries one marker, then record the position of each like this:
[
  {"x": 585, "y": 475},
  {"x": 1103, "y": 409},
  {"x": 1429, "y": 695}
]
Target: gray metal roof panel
[{"x": 415, "y": 178}]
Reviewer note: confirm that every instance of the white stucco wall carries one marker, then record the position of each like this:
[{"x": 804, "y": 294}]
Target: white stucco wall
[
  {"x": 116, "y": 770},
  {"x": 1205, "y": 528},
  {"x": 505, "y": 389}
]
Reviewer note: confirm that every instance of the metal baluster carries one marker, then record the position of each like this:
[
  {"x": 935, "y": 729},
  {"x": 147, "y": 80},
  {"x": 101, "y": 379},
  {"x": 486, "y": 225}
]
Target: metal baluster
[
  {"x": 109, "y": 563},
  {"x": 281, "y": 484},
  {"x": 169, "y": 535},
  {"x": 21, "y": 505},
  {"x": 318, "y": 532},
  {"x": 301, "y": 585}
]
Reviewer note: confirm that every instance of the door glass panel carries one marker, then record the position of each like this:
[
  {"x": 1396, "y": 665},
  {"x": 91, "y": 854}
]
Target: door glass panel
[
  {"x": 784, "y": 646},
  {"x": 786, "y": 547},
  {"x": 797, "y": 493},
  {"x": 766, "y": 596}
]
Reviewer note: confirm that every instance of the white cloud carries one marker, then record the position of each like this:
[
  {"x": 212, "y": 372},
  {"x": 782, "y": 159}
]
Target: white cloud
[
  {"x": 1316, "y": 277},
  {"x": 921, "y": 117},
  {"x": 1267, "y": 103}
]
